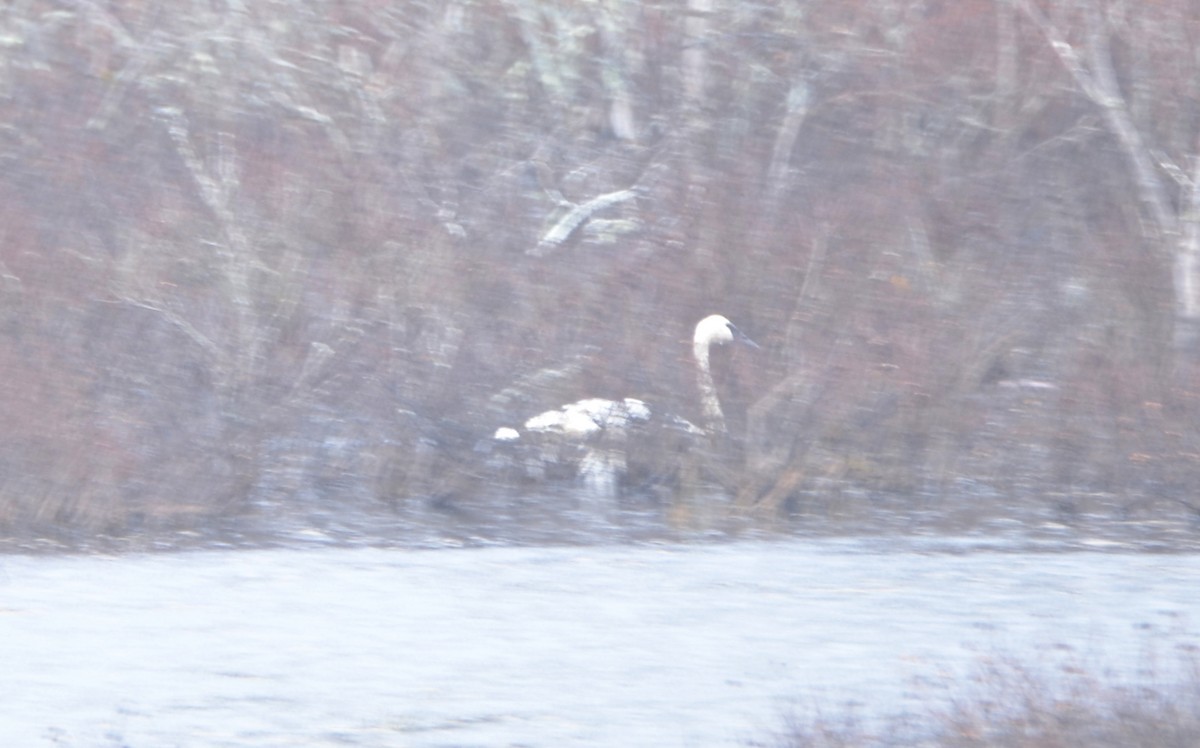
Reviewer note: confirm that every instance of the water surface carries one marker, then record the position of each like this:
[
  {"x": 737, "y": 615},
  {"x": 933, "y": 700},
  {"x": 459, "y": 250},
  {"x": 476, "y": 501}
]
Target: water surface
[{"x": 592, "y": 646}]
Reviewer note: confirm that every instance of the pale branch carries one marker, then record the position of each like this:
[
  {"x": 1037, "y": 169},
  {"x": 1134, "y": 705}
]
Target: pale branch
[
  {"x": 217, "y": 188},
  {"x": 532, "y": 19},
  {"x": 1192, "y": 215},
  {"x": 1099, "y": 83},
  {"x": 217, "y": 191},
  {"x": 310, "y": 113},
  {"x": 614, "y": 70},
  {"x": 1066, "y": 53},
  {"x": 179, "y": 322},
  {"x": 101, "y": 16},
  {"x": 785, "y": 141},
  {"x": 695, "y": 57},
  {"x": 1189, "y": 244},
  {"x": 566, "y": 226},
  {"x": 133, "y": 73},
  {"x": 210, "y": 192},
  {"x": 318, "y": 355},
  {"x": 1116, "y": 111},
  {"x": 1172, "y": 170}
]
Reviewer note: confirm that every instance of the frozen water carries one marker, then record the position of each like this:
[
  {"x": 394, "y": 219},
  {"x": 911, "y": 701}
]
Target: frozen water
[{"x": 594, "y": 646}]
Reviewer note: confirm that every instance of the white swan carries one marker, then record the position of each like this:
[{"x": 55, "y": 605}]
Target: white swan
[
  {"x": 713, "y": 330},
  {"x": 596, "y": 429}
]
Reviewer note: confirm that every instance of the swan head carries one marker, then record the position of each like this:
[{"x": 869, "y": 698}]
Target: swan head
[{"x": 715, "y": 329}]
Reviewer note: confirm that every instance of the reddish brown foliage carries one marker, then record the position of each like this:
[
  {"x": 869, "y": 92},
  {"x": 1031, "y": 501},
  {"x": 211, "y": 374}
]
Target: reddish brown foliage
[{"x": 249, "y": 258}]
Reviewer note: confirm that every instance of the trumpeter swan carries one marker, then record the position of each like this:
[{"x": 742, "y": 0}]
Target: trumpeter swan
[{"x": 598, "y": 427}]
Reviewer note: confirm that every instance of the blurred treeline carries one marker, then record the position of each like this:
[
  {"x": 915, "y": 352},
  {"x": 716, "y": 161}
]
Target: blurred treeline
[{"x": 257, "y": 252}]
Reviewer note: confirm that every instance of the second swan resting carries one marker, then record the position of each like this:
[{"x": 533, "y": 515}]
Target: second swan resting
[{"x": 599, "y": 426}]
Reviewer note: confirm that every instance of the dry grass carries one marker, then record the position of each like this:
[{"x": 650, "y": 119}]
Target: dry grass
[{"x": 1010, "y": 703}]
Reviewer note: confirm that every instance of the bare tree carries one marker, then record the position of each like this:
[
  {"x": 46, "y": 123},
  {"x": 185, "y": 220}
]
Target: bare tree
[{"x": 1174, "y": 223}]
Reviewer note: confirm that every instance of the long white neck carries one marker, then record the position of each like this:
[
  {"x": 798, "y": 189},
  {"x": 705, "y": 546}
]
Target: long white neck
[{"x": 714, "y": 419}]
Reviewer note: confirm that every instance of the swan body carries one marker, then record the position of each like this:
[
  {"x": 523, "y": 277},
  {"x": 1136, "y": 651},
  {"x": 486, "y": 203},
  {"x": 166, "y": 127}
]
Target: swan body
[
  {"x": 506, "y": 434},
  {"x": 594, "y": 431},
  {"x": 590, "y": 416}
]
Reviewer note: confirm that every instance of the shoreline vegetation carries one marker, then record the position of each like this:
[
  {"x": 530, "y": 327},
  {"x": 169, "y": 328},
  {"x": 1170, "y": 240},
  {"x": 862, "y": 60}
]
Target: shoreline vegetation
[
  {"x": 926, "y": 532},
  {"x": 1060, "y": 701},
  {"x": 273, "y": 267}
]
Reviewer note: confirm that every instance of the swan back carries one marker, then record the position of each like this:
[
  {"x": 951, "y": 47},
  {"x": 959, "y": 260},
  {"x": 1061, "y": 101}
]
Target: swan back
[{"x": 590, "y": 417}]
